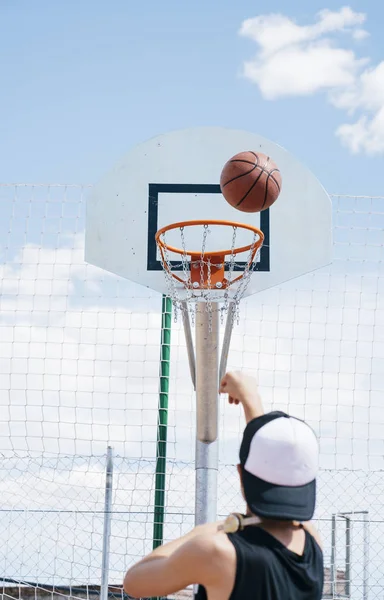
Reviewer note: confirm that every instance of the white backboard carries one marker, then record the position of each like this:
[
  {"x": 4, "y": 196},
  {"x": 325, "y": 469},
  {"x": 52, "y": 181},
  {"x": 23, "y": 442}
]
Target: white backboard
[{"x": 175, "y": 177}]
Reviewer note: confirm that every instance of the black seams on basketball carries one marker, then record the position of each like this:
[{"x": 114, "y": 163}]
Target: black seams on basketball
[{"x": 250, "y": 181}]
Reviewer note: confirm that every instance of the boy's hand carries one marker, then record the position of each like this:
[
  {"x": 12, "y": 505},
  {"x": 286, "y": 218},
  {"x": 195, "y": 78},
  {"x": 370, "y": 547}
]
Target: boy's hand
[{"x": 242, "y": 389}]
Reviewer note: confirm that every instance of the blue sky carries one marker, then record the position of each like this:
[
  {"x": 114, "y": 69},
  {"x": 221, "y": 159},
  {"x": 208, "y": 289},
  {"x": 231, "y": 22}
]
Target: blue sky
[{"x": 82, "y": 82}]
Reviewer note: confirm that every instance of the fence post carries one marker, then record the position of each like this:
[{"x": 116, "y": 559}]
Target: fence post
[
  {"x": 162, "y": 422},
  {"x": 107, "y": 524}
]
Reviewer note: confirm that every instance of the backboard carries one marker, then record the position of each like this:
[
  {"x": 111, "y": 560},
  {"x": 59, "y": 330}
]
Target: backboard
[{"x": 175, "y": 177}]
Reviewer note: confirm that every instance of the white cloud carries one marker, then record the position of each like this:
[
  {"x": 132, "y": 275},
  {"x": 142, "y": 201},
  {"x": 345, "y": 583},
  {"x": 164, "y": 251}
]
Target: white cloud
[
  {"x": 301, "y": 60},
  {"x": 366, "y": 135},
  {"x": 366, "y": 92},
  {"x": 275, "y": 31},
  {"x": 320, "y": 67},
  {"x": 360, "y": 34},
  {"x": 367, "y": 96}
]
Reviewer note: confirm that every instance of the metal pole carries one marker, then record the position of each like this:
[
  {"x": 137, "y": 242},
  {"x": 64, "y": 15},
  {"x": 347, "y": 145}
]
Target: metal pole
[
  {"x": 189, "y": 342},
  {"x": 348, "y": 559},
  {"x": 333, "y": 557},
  {"x": 162, "y": 422},
  {"x": 227, "y": 339},
  {"x": 366, "y": 557},
  {"x": 348, "y": 550},
  {"x": 207, "y": 384},
  {"x": 107, "y": 525}
]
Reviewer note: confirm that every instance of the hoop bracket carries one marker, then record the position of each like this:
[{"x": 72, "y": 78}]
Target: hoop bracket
[{"x": 208, "y": 272}]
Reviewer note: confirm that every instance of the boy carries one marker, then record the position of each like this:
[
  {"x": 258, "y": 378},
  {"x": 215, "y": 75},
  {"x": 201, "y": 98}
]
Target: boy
[{"x": 279, "y": 558}]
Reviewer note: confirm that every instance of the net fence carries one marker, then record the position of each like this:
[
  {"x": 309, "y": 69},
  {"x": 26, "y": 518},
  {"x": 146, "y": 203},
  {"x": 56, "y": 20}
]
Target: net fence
[{"x": 79, "y": 370}]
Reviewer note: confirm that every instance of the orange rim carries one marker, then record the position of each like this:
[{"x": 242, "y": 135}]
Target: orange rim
[
  {"x": 163, "y": 246},
  {"x": 181, "y": 224}
]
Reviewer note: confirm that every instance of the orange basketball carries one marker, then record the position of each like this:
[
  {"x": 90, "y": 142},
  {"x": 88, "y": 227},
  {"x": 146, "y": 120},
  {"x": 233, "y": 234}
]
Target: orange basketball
[{"x": 250, "y": 181}]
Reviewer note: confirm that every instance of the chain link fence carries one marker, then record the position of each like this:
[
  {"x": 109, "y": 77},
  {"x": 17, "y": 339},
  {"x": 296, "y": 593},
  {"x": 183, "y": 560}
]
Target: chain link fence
[{"x": 52, "y": 518}]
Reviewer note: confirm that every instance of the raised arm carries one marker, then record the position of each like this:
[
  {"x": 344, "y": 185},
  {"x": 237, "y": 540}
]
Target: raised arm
[{"x": 242, "y": 389}]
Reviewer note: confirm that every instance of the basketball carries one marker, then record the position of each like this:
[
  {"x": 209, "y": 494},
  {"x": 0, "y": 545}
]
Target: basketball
[{"x": 250, "y": 181}]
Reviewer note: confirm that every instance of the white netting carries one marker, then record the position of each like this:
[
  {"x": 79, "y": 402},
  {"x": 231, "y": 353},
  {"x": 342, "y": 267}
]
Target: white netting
[
  {"x": 191, "y": 279},
  {"x": 79, "y": 369}
]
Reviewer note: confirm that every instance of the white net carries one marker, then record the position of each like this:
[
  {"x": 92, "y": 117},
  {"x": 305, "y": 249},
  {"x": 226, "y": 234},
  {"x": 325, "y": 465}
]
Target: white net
[
  {"x": 79, "y": 369},
  {"x": 221, "y": 277}
]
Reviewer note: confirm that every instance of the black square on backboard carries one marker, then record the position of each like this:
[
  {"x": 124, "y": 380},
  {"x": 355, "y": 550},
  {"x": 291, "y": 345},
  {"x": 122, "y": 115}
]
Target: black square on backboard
[{"x": 154, "y": 189}]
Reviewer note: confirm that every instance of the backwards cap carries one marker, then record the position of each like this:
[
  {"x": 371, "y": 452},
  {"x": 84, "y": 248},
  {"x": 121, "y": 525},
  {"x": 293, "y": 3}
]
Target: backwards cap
[{"x": 279, "y": 456}]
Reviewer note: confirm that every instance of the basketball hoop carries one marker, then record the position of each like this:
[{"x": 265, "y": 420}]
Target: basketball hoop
[{"x": 208, "y": 275}]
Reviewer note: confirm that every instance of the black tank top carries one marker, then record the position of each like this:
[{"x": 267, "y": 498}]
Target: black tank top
[{"x": 267, "y": 570}]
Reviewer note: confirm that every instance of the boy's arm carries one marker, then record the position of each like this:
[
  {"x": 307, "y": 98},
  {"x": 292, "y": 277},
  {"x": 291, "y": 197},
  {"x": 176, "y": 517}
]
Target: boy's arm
[
  {"x": 175, "y": 565},
  {"x": 242, "y": 389}
]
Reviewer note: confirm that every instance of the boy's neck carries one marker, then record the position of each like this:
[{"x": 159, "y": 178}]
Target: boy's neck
[{"x": 274, "y": 523}]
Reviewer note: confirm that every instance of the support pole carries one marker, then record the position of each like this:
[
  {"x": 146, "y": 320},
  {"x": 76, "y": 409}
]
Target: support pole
[
  {"x": 227, "y": 339},
  {"x": 348, "y": 516},
  {"x": 333, "y": 572},
  {"x": 207, "y": 393},
  {"x": 366, "y": 557},
  {"x": 189, "y": 343},
  {"x": 348, "y": 557},
  {"x": 162, "y": 422},
  {"x": 107, "y": 525}
]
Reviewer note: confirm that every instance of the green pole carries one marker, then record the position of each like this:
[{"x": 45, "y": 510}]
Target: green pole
[{"x": 162, "y": 422}]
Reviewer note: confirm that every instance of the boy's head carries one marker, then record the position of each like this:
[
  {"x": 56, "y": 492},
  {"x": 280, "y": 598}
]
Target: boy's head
[{"x": 278, "y": 464}]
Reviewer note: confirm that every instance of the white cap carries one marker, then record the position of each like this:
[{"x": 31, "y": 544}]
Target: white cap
[{"x": 279, "y": 455}]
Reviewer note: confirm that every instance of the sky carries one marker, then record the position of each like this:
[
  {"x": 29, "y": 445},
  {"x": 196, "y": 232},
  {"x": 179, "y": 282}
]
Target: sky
[
  {"x": 79, "y": 348},
  {"x": 84, "y": 82}
]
